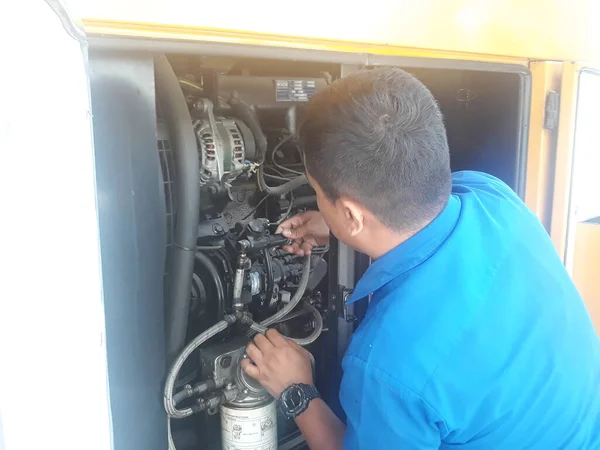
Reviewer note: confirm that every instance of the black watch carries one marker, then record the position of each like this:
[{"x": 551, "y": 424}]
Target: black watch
[{"x": 294, "y": 400}]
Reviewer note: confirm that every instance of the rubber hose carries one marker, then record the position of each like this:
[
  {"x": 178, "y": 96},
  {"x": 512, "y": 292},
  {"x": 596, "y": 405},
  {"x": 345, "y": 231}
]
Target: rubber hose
[
  {"x": 185, "y": 152},
  {"x": 206, "y": 262},
  {"x": 245, "y": 113},
  {"x": 282, "y": 189},
  {"x": 300, "y": 341},
  {"x": 190, "y": 391},
  {"x": 169, "y": 402},
  {"x": 180, "y": 396}
]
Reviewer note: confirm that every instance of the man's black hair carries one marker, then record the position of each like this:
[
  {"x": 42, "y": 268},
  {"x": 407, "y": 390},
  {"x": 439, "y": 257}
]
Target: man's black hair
[{"x": 378, "y": 137}]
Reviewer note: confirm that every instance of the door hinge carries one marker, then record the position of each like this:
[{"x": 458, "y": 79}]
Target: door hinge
[{"x": 551, "y": 110}]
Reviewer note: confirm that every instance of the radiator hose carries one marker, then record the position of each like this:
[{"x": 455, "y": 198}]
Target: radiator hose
[{"x": 177, "y": 116}]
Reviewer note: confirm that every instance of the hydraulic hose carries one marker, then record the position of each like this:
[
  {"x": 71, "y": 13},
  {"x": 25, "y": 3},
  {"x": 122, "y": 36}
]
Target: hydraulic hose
[
  {"x": 210, "y": 267},
  {"x": 191, "y": 391},
  {"x": 177, "y": 116},
  {"x": 318, "y": 329},
  {"x": 169, "y": 402},
  {"x": 287, "y": 309}
]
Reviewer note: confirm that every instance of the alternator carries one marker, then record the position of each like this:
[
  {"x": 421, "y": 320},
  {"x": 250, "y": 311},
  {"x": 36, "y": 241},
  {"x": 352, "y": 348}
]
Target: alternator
[{"x": 224, "y": 144}]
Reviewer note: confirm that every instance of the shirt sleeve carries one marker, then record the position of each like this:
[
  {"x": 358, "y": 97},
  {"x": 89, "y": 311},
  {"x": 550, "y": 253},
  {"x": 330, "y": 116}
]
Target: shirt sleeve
[{"x": 382, "y": 413}]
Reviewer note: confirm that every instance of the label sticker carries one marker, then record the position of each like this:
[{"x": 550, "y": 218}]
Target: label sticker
[
  {"x": 295, "y": 90},
  {"x": 249, "y": 429}
]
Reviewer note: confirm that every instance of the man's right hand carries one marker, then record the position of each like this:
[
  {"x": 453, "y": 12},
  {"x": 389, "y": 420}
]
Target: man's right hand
[{"x": 307, "y": 230}]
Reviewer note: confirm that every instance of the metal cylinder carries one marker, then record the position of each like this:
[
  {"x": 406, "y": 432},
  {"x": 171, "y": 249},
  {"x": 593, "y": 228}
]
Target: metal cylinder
[
  {"x": 250, "y": 420},
  {"x": 249, "y": 427}
]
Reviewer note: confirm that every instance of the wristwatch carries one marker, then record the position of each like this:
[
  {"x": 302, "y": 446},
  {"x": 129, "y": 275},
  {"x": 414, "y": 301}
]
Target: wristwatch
[{"x": 294, "y": 400}]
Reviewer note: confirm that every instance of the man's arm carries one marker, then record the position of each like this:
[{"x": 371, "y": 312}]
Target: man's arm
[
  {"x": 321, "y": 427},
  {"x": 277, "y": 363}
]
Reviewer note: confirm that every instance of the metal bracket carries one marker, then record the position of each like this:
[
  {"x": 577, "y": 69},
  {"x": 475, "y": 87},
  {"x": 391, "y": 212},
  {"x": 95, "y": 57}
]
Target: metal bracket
[
  {"x": 342, "y": 307},
  {"x": 551, "y": 110}
]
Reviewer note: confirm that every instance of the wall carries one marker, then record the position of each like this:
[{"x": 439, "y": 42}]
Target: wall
[{"x": 586, "y": 267}]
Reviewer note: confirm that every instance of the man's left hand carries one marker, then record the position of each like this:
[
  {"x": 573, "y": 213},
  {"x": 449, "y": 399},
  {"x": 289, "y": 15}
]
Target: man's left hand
[{"x": 277, "y": 362}]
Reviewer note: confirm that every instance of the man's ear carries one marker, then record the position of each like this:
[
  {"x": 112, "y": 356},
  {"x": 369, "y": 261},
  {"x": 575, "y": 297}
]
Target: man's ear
[{"x": 353, "y": 215}]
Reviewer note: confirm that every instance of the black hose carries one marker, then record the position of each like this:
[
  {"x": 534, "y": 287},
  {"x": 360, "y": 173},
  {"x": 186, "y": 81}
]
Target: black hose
[
  {"x": 245, "y": 113},
  {"x": 282, "y": 189},
  {"x": 210, "y": 267},
  {"x": 191, "y": 391},
  {"x": 305, "y": 201},
  {"x": 177, "y": 116},
  {"x": 270, "y": 278}
]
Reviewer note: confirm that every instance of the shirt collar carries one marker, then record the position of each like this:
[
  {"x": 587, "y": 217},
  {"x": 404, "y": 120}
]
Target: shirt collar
[{"x": 410, "y": 253}]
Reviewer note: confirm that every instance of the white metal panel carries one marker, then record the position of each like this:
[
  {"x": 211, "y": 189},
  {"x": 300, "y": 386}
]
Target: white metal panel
[{"x": 53, "y": 382}]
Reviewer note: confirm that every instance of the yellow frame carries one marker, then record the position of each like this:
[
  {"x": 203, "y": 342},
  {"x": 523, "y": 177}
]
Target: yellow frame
[
  {"x": 180, "y": 33},
  {"x": 523, "y": 29},
  {"x": 546, "y": 77}
]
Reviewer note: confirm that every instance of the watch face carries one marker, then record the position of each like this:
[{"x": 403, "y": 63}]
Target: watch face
[{"x": 293, "y": 399}]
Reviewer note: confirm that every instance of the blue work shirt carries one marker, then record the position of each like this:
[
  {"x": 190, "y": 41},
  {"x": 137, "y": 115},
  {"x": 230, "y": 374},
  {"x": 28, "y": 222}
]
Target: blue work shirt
[{"x": 475, "y": 337}]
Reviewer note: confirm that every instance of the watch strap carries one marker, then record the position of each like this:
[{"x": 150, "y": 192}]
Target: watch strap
[{"x": 310, "y": 391}]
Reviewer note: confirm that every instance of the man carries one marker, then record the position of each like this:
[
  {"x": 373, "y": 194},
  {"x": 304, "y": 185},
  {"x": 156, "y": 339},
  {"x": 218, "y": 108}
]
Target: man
[{"x": 475, "y": 337}]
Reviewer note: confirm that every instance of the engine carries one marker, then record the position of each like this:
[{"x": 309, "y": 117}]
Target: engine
[{"x": 251, "y": 179}]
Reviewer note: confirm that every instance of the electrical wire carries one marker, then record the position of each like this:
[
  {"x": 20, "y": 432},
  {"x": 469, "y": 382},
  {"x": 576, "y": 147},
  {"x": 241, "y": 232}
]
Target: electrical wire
[
  {"x": 288, "y": 211},
  {"x": 275, "y": 177},
  {"x": 286, "y": 187},
  {"x": 277, "y": 172},
  {"x": 208, "y": 247},
  {"x": 276, "y": 149},
  {"x": 190, "y": 84}
]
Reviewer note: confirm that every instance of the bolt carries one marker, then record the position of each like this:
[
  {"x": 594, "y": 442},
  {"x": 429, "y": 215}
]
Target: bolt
[
  {"x": 218, "y": 228},
  {"x": 225, "y": 362}
]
